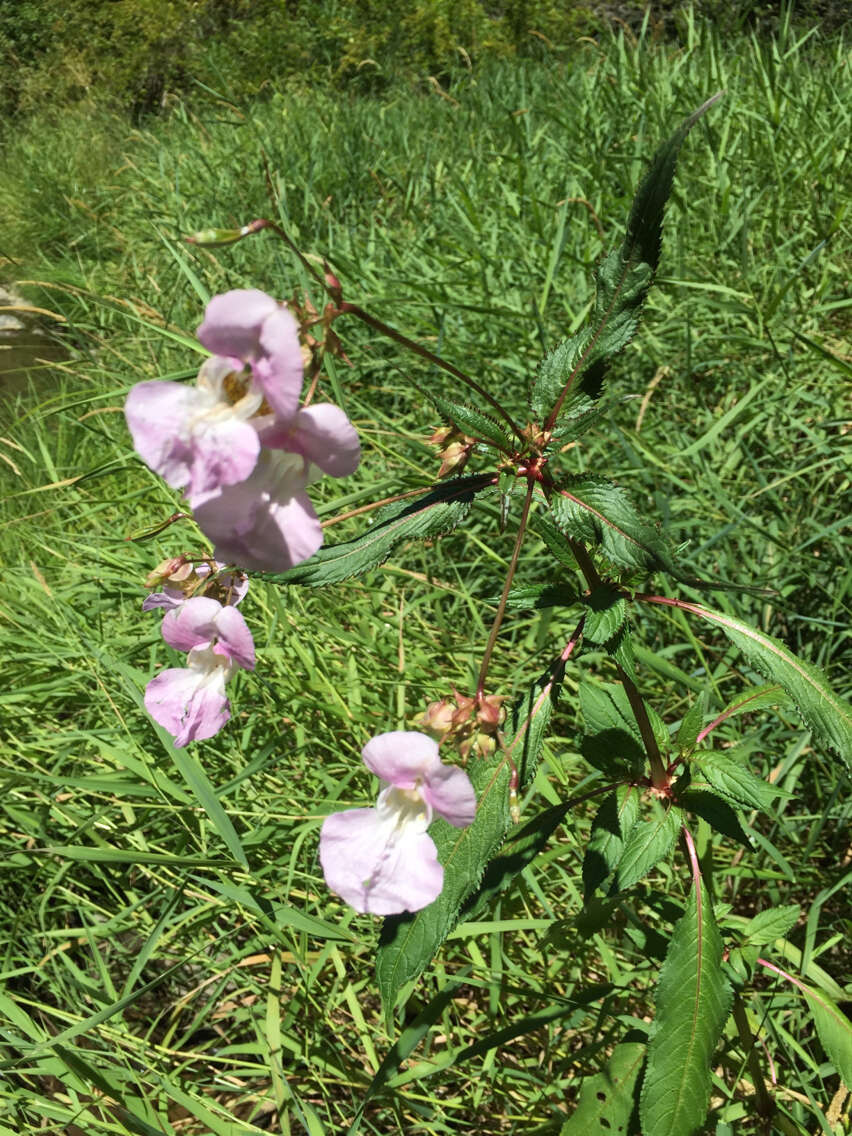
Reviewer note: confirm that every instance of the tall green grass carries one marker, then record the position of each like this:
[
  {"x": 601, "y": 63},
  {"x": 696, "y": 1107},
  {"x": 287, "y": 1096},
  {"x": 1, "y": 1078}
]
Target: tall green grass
[{"x": 171, "y": 964}]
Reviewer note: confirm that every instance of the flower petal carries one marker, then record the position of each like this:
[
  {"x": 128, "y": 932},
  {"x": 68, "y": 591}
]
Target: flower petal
[
  {"x": 277, "y": 367},
  {"x": 192, "y": 624},
  {"x": 169, "y": 598},
  {"x": 188, "y": 703},
  {"x": 376, "y": 867},
  {"x": 323, "y": 434},
  {"x": 225, "y": 452},
  {"x": 265, "y": 523},
  {"x": 232, "y": 322},
  {"x": 234, "y": 638},
  {"x": 402, "y": 757},
  {"x": 155, "y": 413},
  {"x": 449, "y": 791}
]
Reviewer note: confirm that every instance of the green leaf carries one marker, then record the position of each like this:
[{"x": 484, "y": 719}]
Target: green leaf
[
  {"x": 832, "y": 1025},
  {"x": 438, "y": 511},
  {"x": 735, "y": 782},
  {"x": 649, "y": 842},
  {"x": 758, "y": 698},
  {"x": 717, "y": 812},
  {"x": 606, "y": 614},
  {"x": 473, "y": 423},
  {"x": 554, "y": 373},
  {"x": 595, "y": 511},
  {"x": 202, "y": 788},
  {"x": 690, "y": 726},
  {"x": 693, "y": 1001},
  {"x": 537, "y": 597},
  {"x": 623, "y": 280},
  {"x": 772, "y": 924},
  {"x": 613, "y": 823},
  {"x": 821, "y": 709},
  {"x": 555, "y": 541},
  {"x": 606, "y": 1099},
  {"x": 409, "y": 942}
]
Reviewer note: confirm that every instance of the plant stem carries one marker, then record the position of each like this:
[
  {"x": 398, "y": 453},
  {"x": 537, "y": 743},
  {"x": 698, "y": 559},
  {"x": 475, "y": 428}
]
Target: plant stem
[
  {"x": 765, "y": 1104},
  {"x": 501, "y": 608}
]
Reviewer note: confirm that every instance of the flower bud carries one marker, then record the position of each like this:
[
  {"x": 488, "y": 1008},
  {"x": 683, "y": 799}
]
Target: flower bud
[
  {"x": 437, "y": 719},
  {"x": 217, "y": 238},
  {"x": 176, "y": 569}
]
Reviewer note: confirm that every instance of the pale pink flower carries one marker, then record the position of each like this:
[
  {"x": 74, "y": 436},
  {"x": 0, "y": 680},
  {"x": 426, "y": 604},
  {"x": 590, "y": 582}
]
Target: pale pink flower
[
  {"x": 190, "y": 701},
  {"x": 234, "y": 584},
  {"x": 381, "y": 860},
  {"x": 265, "y": 523}
]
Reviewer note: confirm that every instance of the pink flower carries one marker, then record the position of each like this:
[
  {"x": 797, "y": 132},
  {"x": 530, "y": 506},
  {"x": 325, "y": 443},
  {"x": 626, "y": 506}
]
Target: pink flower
[
  {"x": 190, "y": 701},
  {"x": 265, "y": 523},
  {"x": 180, "y": 587},
  {"x": 382, "y": 860}
]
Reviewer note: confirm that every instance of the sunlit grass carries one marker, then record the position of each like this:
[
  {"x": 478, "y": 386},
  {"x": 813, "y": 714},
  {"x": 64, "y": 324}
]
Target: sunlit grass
[{"x": 166, "y": 975}]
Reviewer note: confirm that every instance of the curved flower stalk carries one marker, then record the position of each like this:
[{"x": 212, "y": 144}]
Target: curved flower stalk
[
  {"x": 190, "y": 701},
  {"x": 210, "y": 438},
  {"x": 382, "y": 861}
]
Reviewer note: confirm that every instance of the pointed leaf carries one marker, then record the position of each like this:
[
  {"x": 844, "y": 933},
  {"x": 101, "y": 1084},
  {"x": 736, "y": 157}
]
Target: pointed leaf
[
  {"x": 736, "y": 782},
  {"x": 832, "y": 1025},
  {"x": 606, "y": 1099},
  {"x": 690, "y": 726},
  {"x": 438, "y": 511},
  {"x": 595, "y": 511},
  {"x": 613, "y": 823},
  {"x": 606, "y": 614},
  {"x": 772, "y": 924},
  {"x": 821, "y": 709},
  {"x": 473, "y": 423},
  {"x": 693, "y": 1001},
  {"x": 717, "y": 812},
  {"x": 623, "y": 280},
  {"x": 537, "y": 597},
  {"x": 409, "y": 942},
  {"x": 649, "y": 842},
  {"x": 555, "y": 541}
]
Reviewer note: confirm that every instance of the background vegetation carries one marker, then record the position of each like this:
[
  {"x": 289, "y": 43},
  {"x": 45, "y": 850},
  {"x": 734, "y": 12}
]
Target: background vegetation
[{"x": 169, "y": 968}]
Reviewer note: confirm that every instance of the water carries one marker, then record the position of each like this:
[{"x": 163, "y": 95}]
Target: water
[{"x": 26, "y": 351}]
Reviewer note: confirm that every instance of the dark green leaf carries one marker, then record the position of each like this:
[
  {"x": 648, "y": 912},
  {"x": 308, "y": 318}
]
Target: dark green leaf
[
  {"x": 606, "y": 1100},
  {"x": 623, "y": 280},
  {"x": 595, "y": 511},
  {"x": 606, "y": 613},
  {"x": 409, "y": 942},
  {"x": 690, "y": 726},
  {"x": 537, "y": 597},
  {"x": 614, "y": 752},
  {"x": 473, "y": 423},
  {"x": 733, "y": 780},
  {"x": 613, "y": 823},
  {"x": 555, "y": 542},
  {"x": 717, "y": 812},
  {"x": 822, "y": 710},
  {"x": 693, "y": 1002},
  {"x": 649, "y": 842},
  {"x": 438, "y": 511}
]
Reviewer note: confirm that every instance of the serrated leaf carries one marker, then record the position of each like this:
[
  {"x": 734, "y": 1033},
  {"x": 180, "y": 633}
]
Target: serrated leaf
[
  {"x": 717, "y": 812},
  {"x": 693, "y": 1001},
  {"x": 821, "y": 709},
  {"x": 595, "y": 511},
  {"x": 758, "y": 698},
  {"x": 555, "y": 541},
  {"x": 606, "y": 613},
  {"x": 409, "y": 942},
  {"x": 772, "y": 924},
  {"x": 649, "y": 842},
  {"x": 537, "y": 597},
  {"x": 438, "y": 511},
  {"x": 735, "y": 782},
  {"x": 520, "y": 849},
  {"x": 832, "y": 1025},
  {"x": 690, "y": 726},
  {"x": 473, "y": 422},
  {"x": 615, "y": 753},
  {"x": 623, "y": 280},
  {"x": 613, "y": 823},
  {"x": 554, "y": 372},
  {"x": 606, "y": 1099}
]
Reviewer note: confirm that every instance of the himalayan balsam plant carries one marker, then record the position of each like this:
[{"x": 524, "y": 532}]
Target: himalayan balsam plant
[{"x": 445, "y": 837}]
